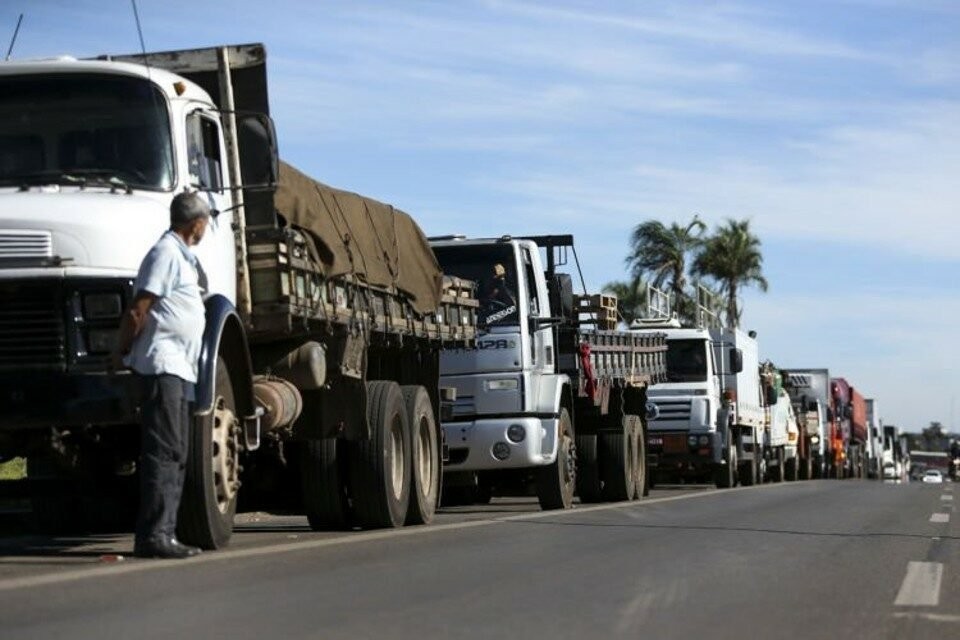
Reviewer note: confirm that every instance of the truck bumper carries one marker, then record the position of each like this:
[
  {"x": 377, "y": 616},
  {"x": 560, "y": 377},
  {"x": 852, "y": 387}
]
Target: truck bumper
[
  {"x": 472, "y": 443},
  {"x": 41, "y": 399},
  {"x": 672, "y": 452}
]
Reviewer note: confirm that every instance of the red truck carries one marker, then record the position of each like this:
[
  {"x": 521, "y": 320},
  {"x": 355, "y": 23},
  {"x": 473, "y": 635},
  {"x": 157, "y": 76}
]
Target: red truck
[{"x": 850, "y": 410}]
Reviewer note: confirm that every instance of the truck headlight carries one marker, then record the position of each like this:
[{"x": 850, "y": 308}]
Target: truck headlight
[
  {"x": 102, "y": 305},
  {"x": 692, "y": 441},
  {"x": 814, "y": 439},
  {"x": 501, "y": 451},
  {"x": 516, "y": 433},
  {"x": 101, "y": 340}
]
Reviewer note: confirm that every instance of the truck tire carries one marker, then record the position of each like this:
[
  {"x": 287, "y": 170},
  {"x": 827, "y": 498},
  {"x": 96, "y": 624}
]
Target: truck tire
[
  {"x": 616, "y": 464},
  {"x": 380, "y": 465},
  {"x": 425, "y": 455},
  {"x": 747, "y": 472},
  {"x": 725, "y": 475},
  {"x": 790, "y": 469},
  {"x": 322, "y": 484},
  {"x": 588, "y": 469},
  {"x": 212, "y": 481},
  {"x": 778, "y": 474},
  {"x": 556, "y": 482},
  {"x": 639, "y": 460}
]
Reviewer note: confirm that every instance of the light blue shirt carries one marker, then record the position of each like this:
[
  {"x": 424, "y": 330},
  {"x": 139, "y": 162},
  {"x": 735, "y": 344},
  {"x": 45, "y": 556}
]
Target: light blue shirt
[{"x": 171, "y": 337}]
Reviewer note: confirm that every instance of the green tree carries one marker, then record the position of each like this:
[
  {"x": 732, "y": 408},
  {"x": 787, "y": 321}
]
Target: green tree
[
  {"x": 731, "y": 256},
  {"x": 660, "y": 254},
  {"x": 631, "y": 298},
  {"x": 935, "y": 438}
]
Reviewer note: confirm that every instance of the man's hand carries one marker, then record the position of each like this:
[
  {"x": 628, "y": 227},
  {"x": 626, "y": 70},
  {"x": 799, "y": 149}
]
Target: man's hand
[{"x": 130, "y": 327}]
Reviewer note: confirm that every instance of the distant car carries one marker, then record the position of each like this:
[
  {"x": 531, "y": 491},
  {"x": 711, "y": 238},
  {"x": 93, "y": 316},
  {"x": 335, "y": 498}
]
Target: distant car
[
  {"x": 932, "y": 476},
  {"x": 889, "y": 471}
]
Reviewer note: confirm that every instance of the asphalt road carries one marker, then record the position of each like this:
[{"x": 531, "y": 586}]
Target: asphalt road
[{"x": 821, "y": 559}]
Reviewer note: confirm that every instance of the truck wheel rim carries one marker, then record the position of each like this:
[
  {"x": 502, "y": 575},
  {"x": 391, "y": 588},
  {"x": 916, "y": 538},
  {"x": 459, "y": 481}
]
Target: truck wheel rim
[
  {"x": 424, "y": 456},
  {"x": 569, "y": 466},
  {"x": 225, "y": 454},
  {"x": 396, "y": 458}
]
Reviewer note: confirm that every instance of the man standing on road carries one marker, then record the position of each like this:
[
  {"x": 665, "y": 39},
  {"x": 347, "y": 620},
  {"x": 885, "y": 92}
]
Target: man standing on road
[{"x": 160, "y": 337}]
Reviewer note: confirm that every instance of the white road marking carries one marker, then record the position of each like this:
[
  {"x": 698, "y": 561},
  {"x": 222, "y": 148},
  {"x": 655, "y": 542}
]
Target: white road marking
[
  {"x": 935, "y": 617},
  {"x": 946, "y": 498},
  {"x": 921, "y": 585},
  {"x": 137, "y": 566},
  {"x": 940, "y": 517},
  {"x": 948, "y": 488}
]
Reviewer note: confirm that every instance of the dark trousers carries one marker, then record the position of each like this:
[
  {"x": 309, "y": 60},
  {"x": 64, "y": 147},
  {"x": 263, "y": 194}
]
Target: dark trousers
[{"x": 164, "y": 438}]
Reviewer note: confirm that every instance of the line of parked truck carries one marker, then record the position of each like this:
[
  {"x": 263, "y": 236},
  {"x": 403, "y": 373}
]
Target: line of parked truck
[
  {"x": 725, "y": 416},
  {"x": 352, "y": 370}
]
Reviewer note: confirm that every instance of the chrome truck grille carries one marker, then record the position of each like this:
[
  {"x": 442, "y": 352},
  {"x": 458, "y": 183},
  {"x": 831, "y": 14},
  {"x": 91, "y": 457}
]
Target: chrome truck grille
[
  {"x": 672, "y": 409},
  {"x": 22, "y": 243},
  {"x": 32, "y": 332}
]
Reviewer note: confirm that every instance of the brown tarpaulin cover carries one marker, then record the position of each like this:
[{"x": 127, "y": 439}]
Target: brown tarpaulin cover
[{"x": 381, "y": 245}]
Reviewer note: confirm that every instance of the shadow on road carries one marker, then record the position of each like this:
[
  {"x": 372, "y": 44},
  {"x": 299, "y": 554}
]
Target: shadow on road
[{"x": 78, "y": 546}]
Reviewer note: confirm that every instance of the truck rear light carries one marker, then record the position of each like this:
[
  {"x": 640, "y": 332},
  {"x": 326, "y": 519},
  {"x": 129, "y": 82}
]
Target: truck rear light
[{"x": 730, "y": 395}]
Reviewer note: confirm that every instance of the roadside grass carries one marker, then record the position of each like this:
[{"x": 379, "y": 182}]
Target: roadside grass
[{"x": 15, "y": 469}]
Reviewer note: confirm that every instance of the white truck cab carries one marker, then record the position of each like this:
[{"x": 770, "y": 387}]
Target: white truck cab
[
  {"x": 706, "y": 420},
  {"x": 91, "y": 154},
  {"x": 508, "y": 390},
  {"x": 553, "y": 395}
]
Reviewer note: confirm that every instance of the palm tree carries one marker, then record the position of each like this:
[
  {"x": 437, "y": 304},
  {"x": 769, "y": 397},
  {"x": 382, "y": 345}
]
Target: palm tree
[
  {"x": 631, "y": 297},
  {"x": 660, "y": 253},
  {"x": 732, "y": 257}
]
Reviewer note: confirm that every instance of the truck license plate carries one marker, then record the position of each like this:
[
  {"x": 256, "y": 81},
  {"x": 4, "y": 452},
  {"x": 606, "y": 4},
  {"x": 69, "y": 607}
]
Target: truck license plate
[{"x": 675, "y": 444}]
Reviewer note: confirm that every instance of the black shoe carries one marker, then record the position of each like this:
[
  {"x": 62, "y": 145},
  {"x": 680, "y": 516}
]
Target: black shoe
[
  {"x": 166, "y": 547},
  {"x": 191, "y": 551}
]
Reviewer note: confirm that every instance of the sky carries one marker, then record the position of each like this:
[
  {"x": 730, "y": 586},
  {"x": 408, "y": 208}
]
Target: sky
[{"x": 833, "y": 125}]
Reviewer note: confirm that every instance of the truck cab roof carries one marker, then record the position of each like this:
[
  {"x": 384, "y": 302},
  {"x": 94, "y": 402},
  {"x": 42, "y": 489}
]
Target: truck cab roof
[{"x": 172, "y": 85}]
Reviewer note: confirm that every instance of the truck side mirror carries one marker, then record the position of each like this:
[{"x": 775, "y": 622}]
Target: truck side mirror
[
  {"x": 560, "y": 290},
  {"x": 736, "y": 360},
  {"x": 259, "y": 162},
  {"x": 771, "y": 395}
]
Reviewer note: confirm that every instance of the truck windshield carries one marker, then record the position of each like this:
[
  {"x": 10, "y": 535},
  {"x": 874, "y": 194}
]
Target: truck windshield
[
  {"x": 687, "y": 360},
  {"x": 84, "y": 129},
  {"x": 492, "y": 267}
]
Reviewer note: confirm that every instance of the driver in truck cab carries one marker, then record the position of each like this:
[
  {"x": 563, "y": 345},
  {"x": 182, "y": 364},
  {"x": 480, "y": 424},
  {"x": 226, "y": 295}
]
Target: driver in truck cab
[{"x": 496, "y": 297}]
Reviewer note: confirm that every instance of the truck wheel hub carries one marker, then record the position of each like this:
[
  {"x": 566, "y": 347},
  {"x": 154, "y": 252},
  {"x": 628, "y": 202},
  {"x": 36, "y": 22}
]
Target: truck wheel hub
[{"x": 226, "y": 454}]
